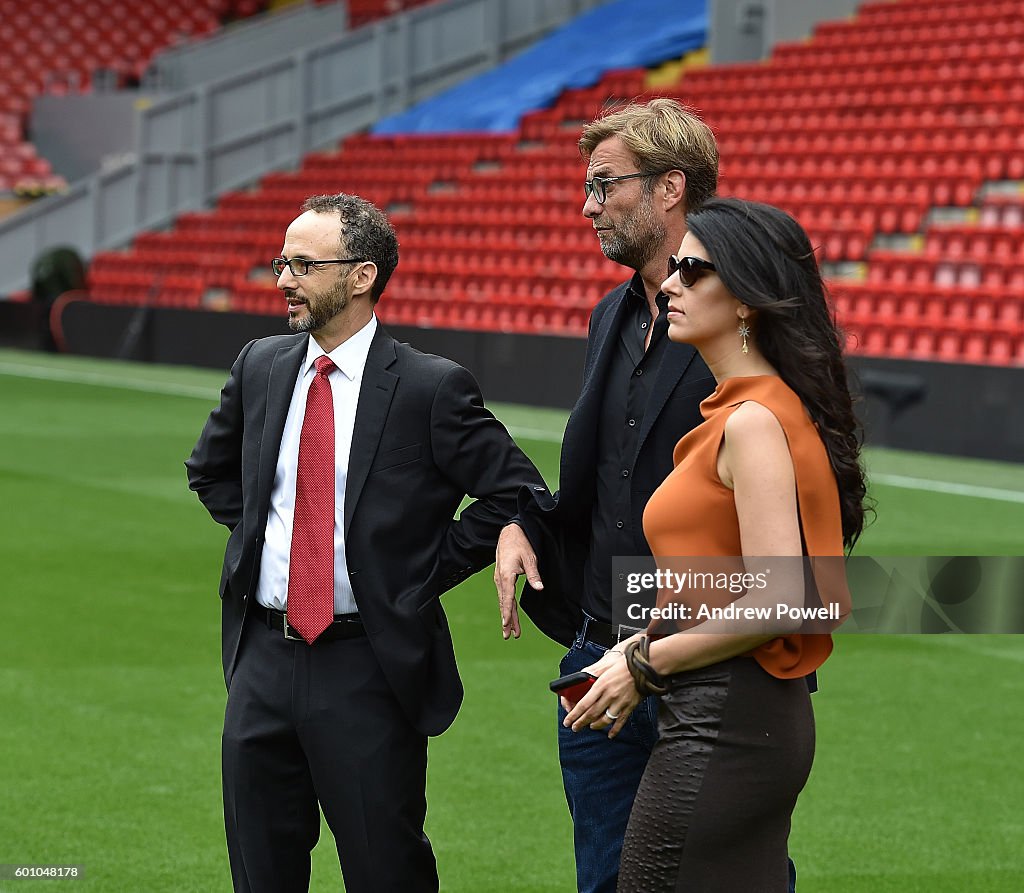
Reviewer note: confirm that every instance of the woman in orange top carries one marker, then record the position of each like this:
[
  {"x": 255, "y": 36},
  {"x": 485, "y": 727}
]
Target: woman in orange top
[{"x": 774, "y": 470}]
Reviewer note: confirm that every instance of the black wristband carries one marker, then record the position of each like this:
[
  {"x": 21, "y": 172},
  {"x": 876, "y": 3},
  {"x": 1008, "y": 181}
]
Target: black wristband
[{"x": 647, "y": 680}]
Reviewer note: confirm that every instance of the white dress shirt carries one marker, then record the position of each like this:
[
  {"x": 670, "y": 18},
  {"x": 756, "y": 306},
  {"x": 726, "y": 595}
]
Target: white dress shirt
[{"x": 350, "y": 358}]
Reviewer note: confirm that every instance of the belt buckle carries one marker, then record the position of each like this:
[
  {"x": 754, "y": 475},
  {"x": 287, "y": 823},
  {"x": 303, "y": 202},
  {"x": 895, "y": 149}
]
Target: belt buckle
[
  {"x": 288, "y": 629},
  {"x": 624, "y": 632}
]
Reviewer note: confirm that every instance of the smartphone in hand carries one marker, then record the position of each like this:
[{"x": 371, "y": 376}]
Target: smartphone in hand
[{"x": 574, "y": 686}]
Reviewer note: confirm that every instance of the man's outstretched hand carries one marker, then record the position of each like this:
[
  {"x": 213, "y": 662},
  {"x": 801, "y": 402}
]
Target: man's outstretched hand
[{"x": 514, "y": 556}]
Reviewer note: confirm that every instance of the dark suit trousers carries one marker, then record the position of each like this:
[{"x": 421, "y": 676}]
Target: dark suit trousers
[{"x": 319, "y": 724}]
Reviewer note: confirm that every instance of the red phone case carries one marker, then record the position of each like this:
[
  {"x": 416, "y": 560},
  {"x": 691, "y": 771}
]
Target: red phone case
[{"x": 574, "y": 692}]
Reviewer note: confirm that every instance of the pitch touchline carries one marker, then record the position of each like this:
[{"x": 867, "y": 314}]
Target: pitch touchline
[
  {"x": 954, "y": 489},
  {"x": 174, "y": 389}
]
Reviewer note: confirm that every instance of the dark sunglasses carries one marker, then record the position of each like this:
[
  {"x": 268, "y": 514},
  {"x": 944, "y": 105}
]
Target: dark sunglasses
[{"x": 690, "y": 269}]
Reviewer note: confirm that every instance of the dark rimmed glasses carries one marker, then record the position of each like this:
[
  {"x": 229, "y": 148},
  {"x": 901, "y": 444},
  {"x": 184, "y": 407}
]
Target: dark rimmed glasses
[
  {"x": 598, "y": 186},
  {"x": 690, "y": 269},
  {"x": 300, "y": 266}
]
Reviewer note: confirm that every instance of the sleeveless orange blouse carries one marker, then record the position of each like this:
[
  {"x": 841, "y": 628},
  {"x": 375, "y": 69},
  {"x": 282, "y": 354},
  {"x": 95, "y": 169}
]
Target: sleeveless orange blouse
[{"x": 693, "y": 513}]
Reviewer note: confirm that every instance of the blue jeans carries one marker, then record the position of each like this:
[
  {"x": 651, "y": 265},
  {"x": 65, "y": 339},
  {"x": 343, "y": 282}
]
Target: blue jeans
[{"x": 601, "y": 777}]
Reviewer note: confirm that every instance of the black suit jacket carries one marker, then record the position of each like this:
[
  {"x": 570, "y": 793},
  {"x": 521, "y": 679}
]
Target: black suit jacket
[
  {"x": 559, "y": 526},
  {"x": 422, "y": 441}
]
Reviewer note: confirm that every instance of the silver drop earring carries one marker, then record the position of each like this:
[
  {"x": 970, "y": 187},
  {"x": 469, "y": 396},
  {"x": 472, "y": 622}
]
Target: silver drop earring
[{"x": 744, "y": 331}]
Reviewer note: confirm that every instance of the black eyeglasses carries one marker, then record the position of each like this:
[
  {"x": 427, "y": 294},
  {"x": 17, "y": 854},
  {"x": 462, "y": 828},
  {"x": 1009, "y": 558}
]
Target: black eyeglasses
[
  {"x": 300, "y": 266},
  {"x": 598, "y": 187},
  {"x": 690, "y": 269}
]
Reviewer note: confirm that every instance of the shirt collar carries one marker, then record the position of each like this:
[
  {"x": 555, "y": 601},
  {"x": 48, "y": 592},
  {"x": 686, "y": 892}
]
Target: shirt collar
[
  {"x": 349, "y": 356},
  {"x": 636, "y": 292}
]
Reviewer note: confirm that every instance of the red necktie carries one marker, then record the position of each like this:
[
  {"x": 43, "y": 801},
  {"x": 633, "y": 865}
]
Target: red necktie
[{"x": 311, "y": 566}]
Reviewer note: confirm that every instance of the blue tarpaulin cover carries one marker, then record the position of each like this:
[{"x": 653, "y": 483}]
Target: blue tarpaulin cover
[{"x": 620, "y": 34}]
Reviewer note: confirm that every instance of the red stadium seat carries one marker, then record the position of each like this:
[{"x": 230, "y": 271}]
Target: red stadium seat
[{"x": 860, "y": 132}]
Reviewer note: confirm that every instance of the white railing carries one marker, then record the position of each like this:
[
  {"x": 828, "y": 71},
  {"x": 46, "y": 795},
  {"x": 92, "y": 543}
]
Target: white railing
[{"x": 199, "y": 143}]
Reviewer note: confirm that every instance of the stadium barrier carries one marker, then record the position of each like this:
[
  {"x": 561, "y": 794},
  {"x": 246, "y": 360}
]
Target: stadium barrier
[{"x": 964, "y": 409}]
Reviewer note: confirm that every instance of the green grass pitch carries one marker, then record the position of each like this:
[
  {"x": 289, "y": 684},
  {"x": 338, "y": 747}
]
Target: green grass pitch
[{"x": 111, "y": 696}]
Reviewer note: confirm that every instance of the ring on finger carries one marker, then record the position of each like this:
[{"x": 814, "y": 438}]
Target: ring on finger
[{"x": 611, "y": 716}]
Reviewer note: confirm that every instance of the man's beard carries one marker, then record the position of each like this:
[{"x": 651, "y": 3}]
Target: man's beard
[
  {"x": 636, "y": 240},
  {"x": 321, "y": 309}
]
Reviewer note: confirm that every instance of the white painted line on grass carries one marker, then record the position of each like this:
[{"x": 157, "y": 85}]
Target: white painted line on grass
[
  {"x": 534, "y": 434},
  {"x": 127, "y": 383},
  {"x": 967, "y": 643},
  {"x": 175, "y": 389},
  {"x": 954, "y": 489}
]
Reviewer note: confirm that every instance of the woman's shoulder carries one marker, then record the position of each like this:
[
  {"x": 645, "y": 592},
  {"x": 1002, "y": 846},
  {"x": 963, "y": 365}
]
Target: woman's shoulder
[
  {"x": 756, "y": 445},
  {"x": 775, "y": 398},
  {"x": 752, "y": 419}
]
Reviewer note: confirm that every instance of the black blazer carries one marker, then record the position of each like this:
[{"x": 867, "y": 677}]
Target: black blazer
[
  {"x": 422, "y": 441},
  {"x": 559, "y": 526}
]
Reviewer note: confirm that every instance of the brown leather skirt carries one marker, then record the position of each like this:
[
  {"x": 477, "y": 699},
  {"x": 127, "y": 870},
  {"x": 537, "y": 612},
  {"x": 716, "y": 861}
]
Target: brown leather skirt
[{"x": 713, "y": 811}]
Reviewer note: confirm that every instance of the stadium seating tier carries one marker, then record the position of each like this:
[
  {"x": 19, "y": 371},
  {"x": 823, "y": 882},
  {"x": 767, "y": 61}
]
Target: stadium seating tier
[{"x": 892, "y": 136}]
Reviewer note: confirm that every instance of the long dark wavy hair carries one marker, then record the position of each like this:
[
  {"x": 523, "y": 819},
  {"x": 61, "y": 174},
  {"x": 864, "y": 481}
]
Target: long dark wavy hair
[{"x": 764, "y": 257}]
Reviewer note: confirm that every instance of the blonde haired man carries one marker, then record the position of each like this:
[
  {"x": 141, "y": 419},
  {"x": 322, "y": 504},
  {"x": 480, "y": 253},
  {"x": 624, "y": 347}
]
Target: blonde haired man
[{"x": 648, "y": 164}]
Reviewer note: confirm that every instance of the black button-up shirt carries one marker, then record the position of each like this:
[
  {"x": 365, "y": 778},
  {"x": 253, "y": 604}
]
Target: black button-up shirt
[{"x": 627, "y": 391}]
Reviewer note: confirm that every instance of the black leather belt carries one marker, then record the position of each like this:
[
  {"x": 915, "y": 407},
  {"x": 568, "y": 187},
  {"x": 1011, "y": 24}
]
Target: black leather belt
[
  {"x": 345, "y": 626},
  {"x": 606, "y": 635}
]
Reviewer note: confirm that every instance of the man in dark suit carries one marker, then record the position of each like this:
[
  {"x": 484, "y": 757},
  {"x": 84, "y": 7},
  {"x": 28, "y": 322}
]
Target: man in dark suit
[
  {"x": 337, "y": 458},
  {"x": 648, "y": 165}
]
